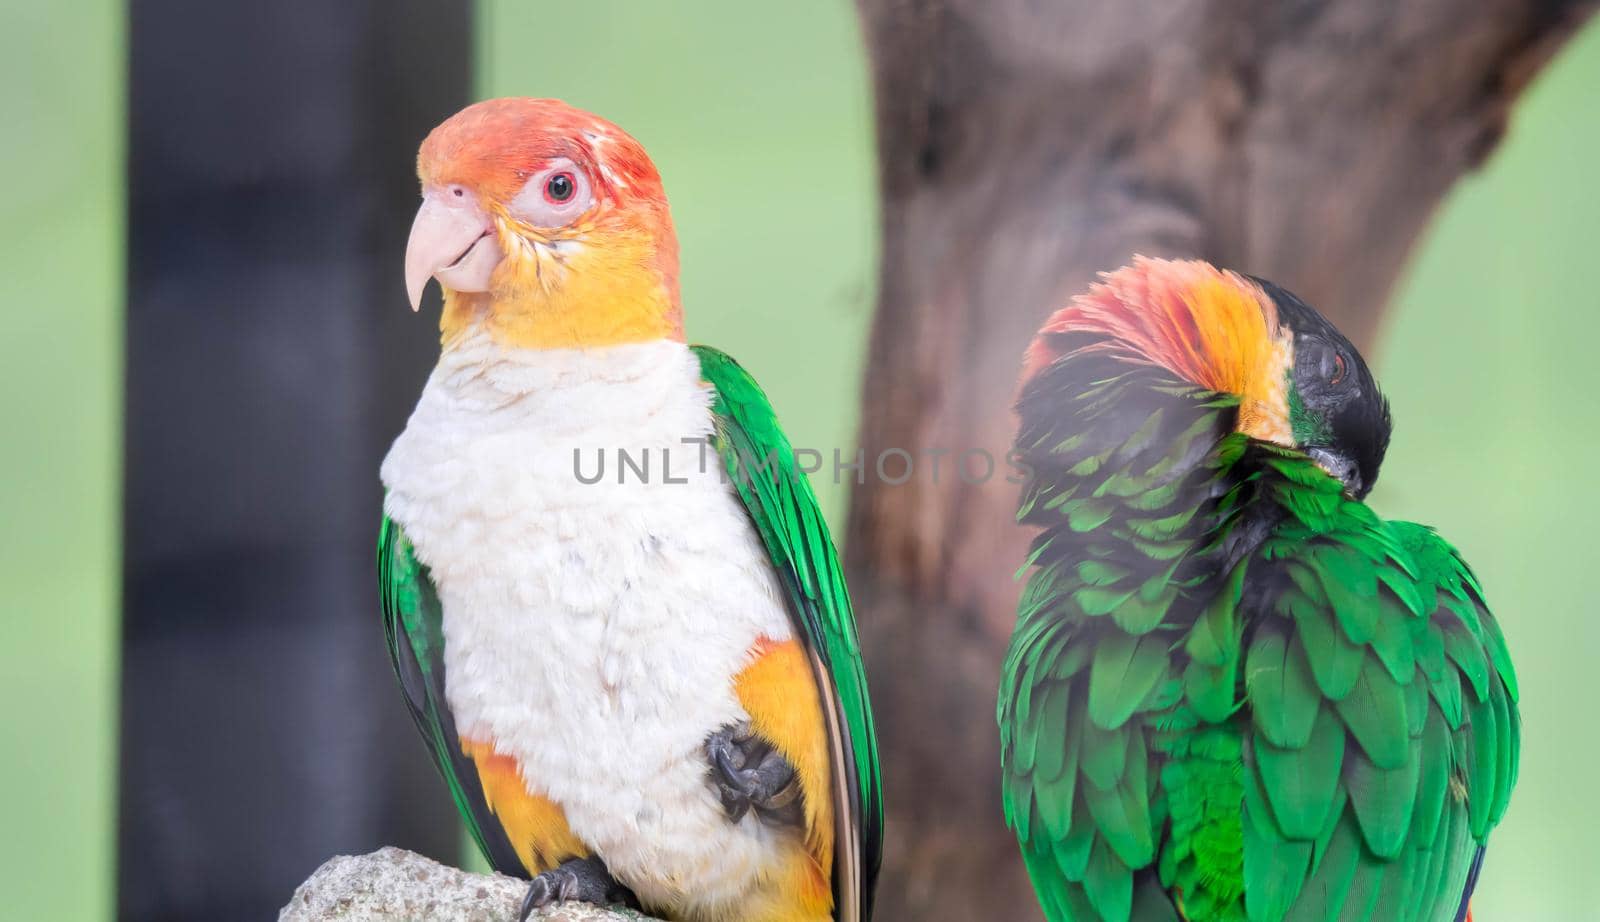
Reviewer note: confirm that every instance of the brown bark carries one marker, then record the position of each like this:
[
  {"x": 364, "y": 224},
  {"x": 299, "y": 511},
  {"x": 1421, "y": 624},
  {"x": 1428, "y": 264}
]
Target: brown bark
[{"x": 1024, "y": 146}]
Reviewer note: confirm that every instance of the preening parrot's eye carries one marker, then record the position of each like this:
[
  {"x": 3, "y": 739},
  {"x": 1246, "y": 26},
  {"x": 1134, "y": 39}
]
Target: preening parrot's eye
[
  {"x": 1337, "y": 375},
  {"x": 1322, "y": 368},
  {"x": 559, "y": 188}
]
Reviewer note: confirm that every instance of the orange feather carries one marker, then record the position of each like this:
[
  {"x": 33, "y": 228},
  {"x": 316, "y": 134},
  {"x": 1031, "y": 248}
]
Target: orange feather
[
  {"x": 535, "y": 825},
  {"x": 1211, "y": 327},
  {"x": 779, "y": 693}
]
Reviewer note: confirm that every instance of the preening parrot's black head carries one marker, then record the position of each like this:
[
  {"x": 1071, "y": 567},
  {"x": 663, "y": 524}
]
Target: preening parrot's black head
[
  {"x": 1298, "y": 380},
  {"x": 1336, "y": 412}
]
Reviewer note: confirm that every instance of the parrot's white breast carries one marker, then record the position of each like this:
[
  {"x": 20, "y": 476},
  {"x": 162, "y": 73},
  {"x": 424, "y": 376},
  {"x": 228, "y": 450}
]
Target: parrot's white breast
[{"x": 593, "y": 630}]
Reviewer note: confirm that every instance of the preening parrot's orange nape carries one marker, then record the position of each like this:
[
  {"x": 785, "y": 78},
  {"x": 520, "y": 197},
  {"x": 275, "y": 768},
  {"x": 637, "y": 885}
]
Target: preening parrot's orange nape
[
  {"x": 1234, "y": 692},
  {"x": 641, "y": 685}
]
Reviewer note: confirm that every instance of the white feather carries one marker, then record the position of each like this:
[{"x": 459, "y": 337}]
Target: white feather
[{"x": 592, "y": 631}]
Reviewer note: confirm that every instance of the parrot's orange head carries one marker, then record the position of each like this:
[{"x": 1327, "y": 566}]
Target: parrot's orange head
[
  {"x": 546, "y": 226},
  {"x": 1298, "y": 380}
]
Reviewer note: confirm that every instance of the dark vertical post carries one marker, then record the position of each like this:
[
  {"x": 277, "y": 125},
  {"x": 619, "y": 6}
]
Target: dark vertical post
[{"x": 271, "y": 358}]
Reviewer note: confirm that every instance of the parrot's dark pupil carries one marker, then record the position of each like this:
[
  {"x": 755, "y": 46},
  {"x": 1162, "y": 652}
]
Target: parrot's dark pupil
[{"x": 560, "y": 187}]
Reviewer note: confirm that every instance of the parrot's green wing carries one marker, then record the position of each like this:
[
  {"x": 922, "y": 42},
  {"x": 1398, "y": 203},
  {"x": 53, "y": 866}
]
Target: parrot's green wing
[
  {"x": 413, "y": 626},
  {"x": 1091, "y": 691},
  {"x": 1383, "y": 736},
  {"x": 1233, "y": 690},
  {"x": 761, "y": 468}
]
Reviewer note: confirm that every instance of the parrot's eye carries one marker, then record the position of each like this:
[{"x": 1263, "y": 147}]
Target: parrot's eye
[
  {"x": 1322, "y": 367},
  {"x": 559, "y": 188},
  {"x": 554, "y": 196}
]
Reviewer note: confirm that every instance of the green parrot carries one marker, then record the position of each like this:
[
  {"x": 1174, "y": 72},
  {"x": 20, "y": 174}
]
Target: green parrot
[{"x": 1234, "y": 692}]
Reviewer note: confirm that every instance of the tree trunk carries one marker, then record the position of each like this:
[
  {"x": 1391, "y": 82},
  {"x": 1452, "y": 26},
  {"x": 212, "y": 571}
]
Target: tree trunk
[{"x": 1027, "y": 145}]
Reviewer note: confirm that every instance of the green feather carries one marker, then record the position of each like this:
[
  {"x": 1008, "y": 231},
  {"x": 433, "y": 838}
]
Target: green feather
[
  {"x": 1383, "y": 800},
  {"x": 1483, "y": 764},
  {"x": 1104, "y": 755},
  {"x": 1109, "y": 883},
  {"x": 414, "y": 627},
  {"x": 1392, "y": 639},
  {"x": 1274, "y": 867},
  {"x": 1210, "y": 691},
  {"x": 1124, "y": 671},
  {"x": 1375, "y": 712},
  {"x": 1097, "y": 602},
  {"x": 1087, "y": 515},
  {"x": 1123, "y": 813},
  {"x": 785, "y": 514},
  {"x": 1301, "y": 782},
  {"x": 1050, "y": 761},
  {"x": 1283, "y": 696},
  {"x": 1468, "y": 655},
  {"x": 1433, "y": 780},
  {"x": 1334, "y": 879},
  {"x": 1057, "y": 799},
  {"x": 1350, "y": 585},
  {"x": 1214, "y": 638},
  {"x": 1072, "y": 852},
  {"x": 1335, "y": 661}
]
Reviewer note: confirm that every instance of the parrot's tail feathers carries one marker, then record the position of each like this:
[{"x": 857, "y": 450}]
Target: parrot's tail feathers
[{"x": 1464, "y": 914}]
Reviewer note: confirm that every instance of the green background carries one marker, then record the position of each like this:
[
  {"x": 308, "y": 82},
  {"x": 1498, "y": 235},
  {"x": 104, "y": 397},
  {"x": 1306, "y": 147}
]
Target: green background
[
  {"x": 1489, "y": 363},
  {"x": 61, "y": 105},
  {"x": 760, "y": 120}
]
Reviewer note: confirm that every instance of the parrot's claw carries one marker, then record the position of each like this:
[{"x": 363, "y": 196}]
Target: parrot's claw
[
  {"x": 585, "y": 880},
  {"x": 749, "y": 774}
]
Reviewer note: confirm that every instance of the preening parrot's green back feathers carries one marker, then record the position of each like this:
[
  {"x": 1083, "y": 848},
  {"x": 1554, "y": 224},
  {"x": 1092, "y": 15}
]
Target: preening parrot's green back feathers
[
  {"x": 1233, "y": 692},
  {"x": 761, "y": 466}
]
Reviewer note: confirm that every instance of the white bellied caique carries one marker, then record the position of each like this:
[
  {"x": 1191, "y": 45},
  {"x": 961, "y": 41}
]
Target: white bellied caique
[{"x": 640, "y": 684}]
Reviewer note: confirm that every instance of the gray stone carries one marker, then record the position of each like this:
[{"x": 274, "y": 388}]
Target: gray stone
[{"x": 393, "y": 884}]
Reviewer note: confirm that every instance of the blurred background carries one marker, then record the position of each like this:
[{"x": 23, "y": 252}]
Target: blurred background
[{"x": 205, "y": 351}]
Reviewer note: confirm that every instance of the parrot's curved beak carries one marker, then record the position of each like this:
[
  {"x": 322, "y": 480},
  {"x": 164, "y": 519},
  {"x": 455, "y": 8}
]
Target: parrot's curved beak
[
  {"x": 1340, "y": 468},
  {"x": 452, "y": 240}
]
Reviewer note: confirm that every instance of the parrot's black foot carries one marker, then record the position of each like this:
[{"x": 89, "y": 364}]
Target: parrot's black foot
[
  {"x": 749, "y": 774},
  {"x": 585, "y": 880}
]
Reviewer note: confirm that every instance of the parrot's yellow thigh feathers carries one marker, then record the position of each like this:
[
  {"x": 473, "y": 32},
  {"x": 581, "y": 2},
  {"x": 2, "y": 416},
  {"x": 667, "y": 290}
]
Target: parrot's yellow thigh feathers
[
  {"x": 779, "y": 693},
  {"x": 535, "y": 825}
]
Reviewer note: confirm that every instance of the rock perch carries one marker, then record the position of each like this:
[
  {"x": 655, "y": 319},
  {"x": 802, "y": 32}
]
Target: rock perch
[{"x": 392, "y": 884}]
